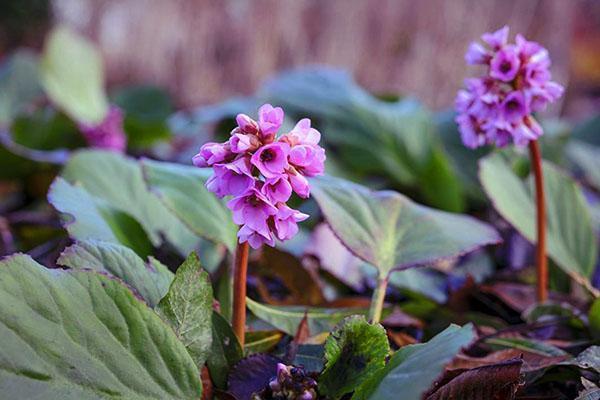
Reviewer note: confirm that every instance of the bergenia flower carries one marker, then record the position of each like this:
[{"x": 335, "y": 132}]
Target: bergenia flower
[
  {"x": 109, "y": 133},
  {"x": 271, "y": 159},
  {"x": 270, "y": 120},
  {"x": 261, "y": 171},
  {"x": 496, "y": 108}
]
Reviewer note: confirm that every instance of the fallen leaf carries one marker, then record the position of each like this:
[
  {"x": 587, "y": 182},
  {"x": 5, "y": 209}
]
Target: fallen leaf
[{"x": 490, "y": 382}]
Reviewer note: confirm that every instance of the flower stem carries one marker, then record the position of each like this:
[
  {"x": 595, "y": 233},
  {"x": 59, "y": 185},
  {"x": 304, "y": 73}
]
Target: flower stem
[
  {"x": 377, "y": 300},
  {"x": 540, "y": 255},
  {"x": 240, "y": 270}
]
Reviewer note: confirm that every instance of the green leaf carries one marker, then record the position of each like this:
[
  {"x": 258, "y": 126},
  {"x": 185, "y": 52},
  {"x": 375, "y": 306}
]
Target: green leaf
[
  {"x": 585, "y": 156},
  {"x": 118, "y": 180},
  {"x": 529, "y": 345},
  {"x": 225, "y": 350},
  {"x": 187, "y": 307},
  {"x": 571, "y": 241},
  {"x": 372, "y": 136},
  {"x": 392, "y": 232},
  {"x": 587, "y": 131},
  {"x": 87, "y": 217},
  {"x": 287, "y": 318},
  {"x": 181, "y": 189},
  {"x": 147, "y": 109},
  {"x": 70, "y": 335},
  {"x": 594, "y": 318},
  {"x": 151, "y": 280},
  {"x": 44, "y": 129},
  {"x": 261, "y": 341},
  {"x": 412, "y": 369},
  {"x": 72, "y": 73},
  {"x": 19, "y": 84},
  {"x": 354, "y": 351}
]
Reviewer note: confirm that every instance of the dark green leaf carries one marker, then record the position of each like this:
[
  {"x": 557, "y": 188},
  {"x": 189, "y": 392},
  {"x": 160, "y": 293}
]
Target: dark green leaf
[
  {"x": 146, "y": 111},
  {"x": 187, "y": 308},
  {"x": 412, "y": 369},
  {"x": 370, "y": 135},
  {"x": 225, "y": 350},
  {"x": 354, "y": 351}
]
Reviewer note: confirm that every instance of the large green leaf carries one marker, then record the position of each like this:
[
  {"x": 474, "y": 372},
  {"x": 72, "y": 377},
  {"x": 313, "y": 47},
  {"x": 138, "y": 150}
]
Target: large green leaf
[
  {"x": 412, "y": 369},
  {"x": 181, "y": 189},
  {"x": 151, "y": 280},
  {"x": 118, "y": 181},
  {"x": 587, "y": 131},
  {"x": 146, "y": 109},
  {"x": 369, "y": 135},
  {"x": 225, "y": 350},
  {"x": 72, "y": 73},
  {"x": 354, "y": 351},
  {"x": 288, "y": 318},
  {"x": 79, "y": 335},
  {"x": 392, "y": 232},
  {"x": 44, "y": 129},
  {"x": 19, "y": 84},
  {"x": 587, "y": 158},
  {"x": 87, "y": 217},
  {"x": 571, "y": 241},
  {"x": 187, "y": 307}
]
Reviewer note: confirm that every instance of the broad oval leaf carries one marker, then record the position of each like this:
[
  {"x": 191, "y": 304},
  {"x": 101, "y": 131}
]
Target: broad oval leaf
[
  {"x": 571, "y": 241},
  {"x": 187, "y": 308},
  {"x": 587, "y": 158},
  {"x": 354, "y": 351},
  {"x": 118, "y": 182},
  {"x": 225, "y": 350},
  {"x": 390, "y": 231},
  {"x": 87, "y": 217},
  {"x": 288, "y": 318},
  {"x": 72, "y": 73},
  {"x": 181, "y": 189},
  {"x": 392, "y": 138},
  {"x": 81, "y": 335},
  {"x": 150, "y": 279},
  {"x": 19, "y": 84},
  {"x": 412, "y": 369}
]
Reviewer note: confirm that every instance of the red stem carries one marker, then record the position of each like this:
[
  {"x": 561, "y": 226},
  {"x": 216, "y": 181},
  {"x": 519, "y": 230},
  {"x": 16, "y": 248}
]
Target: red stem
[
  {"x": 240, "y": 271},
  {"x": 540, "y": 255}
]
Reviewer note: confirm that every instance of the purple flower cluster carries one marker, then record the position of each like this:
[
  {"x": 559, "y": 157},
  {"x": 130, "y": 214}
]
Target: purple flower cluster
[
  {"x": 497, "y": 107},
  {"x": 109, "y": 133},
  {"x": 261, "y": 170}
]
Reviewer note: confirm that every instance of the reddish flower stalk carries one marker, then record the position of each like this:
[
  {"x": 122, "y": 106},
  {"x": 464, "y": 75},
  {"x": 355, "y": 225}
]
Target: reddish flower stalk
[
  {"x": 240, "y": 270},
  {"x": 496, "y": 108},
  {"x": 261, "y": 170},
  {"x": 540, "y": 254}
]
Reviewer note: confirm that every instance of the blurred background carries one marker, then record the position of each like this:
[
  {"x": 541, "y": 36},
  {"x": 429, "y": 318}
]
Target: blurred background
[{"x": 206, "y": 51}]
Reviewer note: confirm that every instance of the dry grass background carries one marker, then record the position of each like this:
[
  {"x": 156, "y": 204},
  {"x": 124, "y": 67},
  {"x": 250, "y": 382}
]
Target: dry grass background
[{"x": 206, "y": 50}]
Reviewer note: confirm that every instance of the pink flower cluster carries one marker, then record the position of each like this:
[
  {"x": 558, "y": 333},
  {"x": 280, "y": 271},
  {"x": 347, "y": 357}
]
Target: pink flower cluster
[
  {"x": 497, "y": 107},
  {"x": 261, "y": 170},
  {"x": 109, "y": 133}
]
